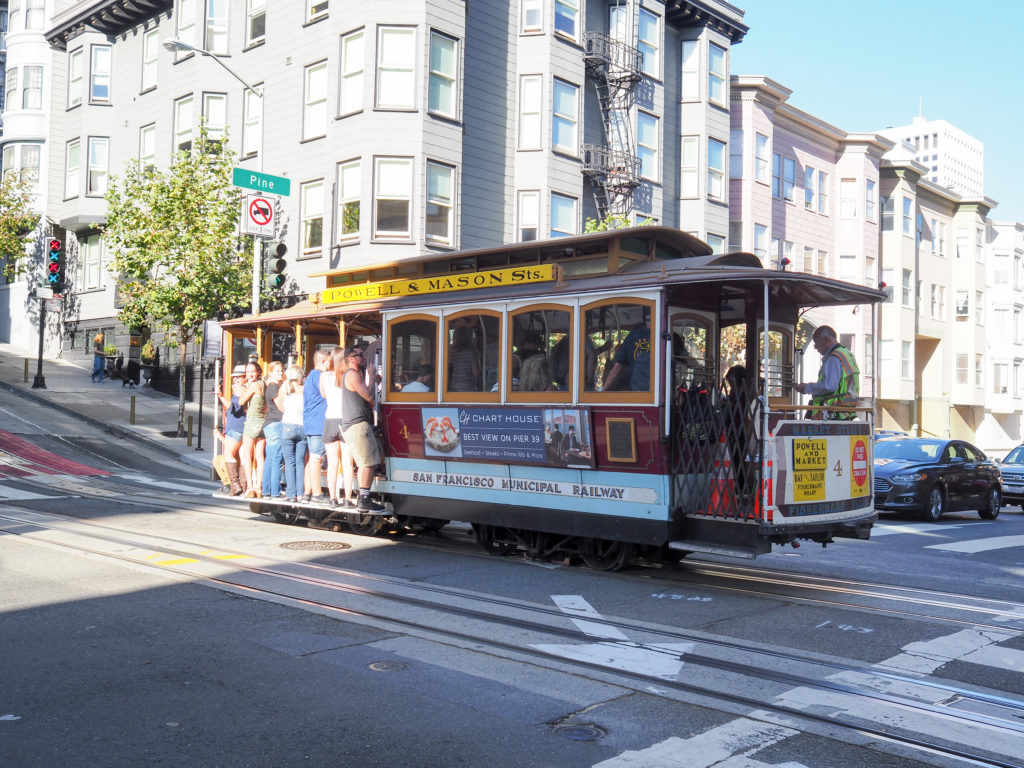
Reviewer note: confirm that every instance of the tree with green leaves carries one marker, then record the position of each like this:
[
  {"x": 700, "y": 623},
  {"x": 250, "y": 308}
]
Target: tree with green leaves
[
  {"x": 613, "y": 221},
  {"x": 17, "y": 220},
  {"x": 178, "y": 259}
]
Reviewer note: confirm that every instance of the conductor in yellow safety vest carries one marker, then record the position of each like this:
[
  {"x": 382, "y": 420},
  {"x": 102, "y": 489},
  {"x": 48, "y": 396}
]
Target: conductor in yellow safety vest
[{"x": 838, "y": 381}]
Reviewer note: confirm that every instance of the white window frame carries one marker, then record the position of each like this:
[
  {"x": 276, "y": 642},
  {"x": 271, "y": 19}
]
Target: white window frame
[
  {"x": 314, "y": 100},
  {"x": 382, "y": 195},
  {"x": 562, "y": 119},
  {"x": 761, "y": 243},
  {"x": 98, "y": 160},
  {"x": 531, "y": 110},
  {"x": 185, "y": 24},
  {"x": 717, "y": 187},
  {"x": 568, "y": 10},
  {"x": 311, "y": 198},
  {"x": 396, "y": 66},
  {"x": 35, "y": 15},
  {"x": 28, "y": 164},
  {"x": 573, "y": 209},
  {"x": 810, "y": 187},
  {"x": 215, "y": 131},
  {"x": 350, "y": 188},
  {"x": 351, "y": 79},
  {"x": 316, "y": 9},
  {"x": 870, "y": 199},
  {"x": 847, "y": 198},
  {"x": 689, "y": 62},
  {"x": 150, "y": 59},
  {"x": 32, "y": 87},
  {"x": 147, "y": 146},
  {"x": 648, "y": 147},
  {"x": 97, "y": 75},
  {"x": 255, "y": 14},
  {"x": 215, "y": 32},
  {"x": 534, "y": 9},
  {"x": 649, "y": 43},
  {"x": 252, "y": 121},
  {"x": 735, "y": 154},
  {"x": 823, "y": 192},
  {"x": 72, "y": 168},
  {"x": 762, "y": 158},
  {"x": 91, "y": 257},
  {"x": 436, "y": 199},
  {"x": 689, "y": 167},
  {"x": 718, "y": 79},
  {"x": 76, "y": 76},
  {"x": 440, "y": 80},
  {"x": 908, "y": 216},
  {"x": 528, "y": 215},
  {"x": 183, "y": 123}
]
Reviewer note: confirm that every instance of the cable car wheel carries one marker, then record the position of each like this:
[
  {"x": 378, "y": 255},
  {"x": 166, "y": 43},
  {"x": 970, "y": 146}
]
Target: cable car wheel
[
  {"x": 487, "y": 537},
  {"x": 285, "y": 515},
  {"x": 368, "y": 525},
  {"x": 605, "y": 555}
]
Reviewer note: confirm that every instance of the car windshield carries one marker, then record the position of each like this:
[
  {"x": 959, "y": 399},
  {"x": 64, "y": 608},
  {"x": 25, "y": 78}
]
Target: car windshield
[
  {"x": 1016, "y": 456},
  {"x": 909, "y": 450}
]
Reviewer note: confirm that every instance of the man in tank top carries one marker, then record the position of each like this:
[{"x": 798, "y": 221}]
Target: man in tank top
[{"x": 357, "y": 426}]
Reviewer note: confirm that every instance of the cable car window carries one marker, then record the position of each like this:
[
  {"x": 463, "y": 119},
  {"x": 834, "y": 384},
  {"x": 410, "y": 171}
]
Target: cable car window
[
  {"x": 472, "y": 355},
  {"x": 690, "y": 347},
  {"x": 540, "y": 360},
  {"x": 617, "y": 350},
  {"x": 412, "y": 358}
]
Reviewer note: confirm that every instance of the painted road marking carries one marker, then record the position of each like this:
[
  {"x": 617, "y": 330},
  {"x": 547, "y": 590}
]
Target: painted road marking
[
  {"x": 16, "y": 494},
  {"x": 919, "y": 529},
  {"x": 927, "y": 656},
  {"x": 167, "y": 485},
  {"x": 155, "y": 558},
  {"x": 616, "y": 651},
  {"x": 711, "y": 748},
  {"x": 981, "y": 545}
]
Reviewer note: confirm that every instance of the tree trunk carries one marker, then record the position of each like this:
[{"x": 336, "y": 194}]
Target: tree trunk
[{"x": 182, "y": 349}]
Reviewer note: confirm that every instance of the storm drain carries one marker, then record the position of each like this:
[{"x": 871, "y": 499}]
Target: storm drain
[
  {"x": 580, "y": 732},
  {"x": 388, "y": 666},
  {"x": 315, "y": 545}
]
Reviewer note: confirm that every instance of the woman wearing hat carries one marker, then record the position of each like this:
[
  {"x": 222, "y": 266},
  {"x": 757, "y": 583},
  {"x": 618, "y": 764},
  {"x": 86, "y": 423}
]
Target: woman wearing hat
[
  {"x": 234, "y": 424},
  {"x": 253, "y": 441}
]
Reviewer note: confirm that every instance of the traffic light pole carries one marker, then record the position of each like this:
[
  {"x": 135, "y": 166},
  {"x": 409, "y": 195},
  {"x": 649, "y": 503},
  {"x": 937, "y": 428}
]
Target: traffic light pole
[
  {"x": 39, "y": 382},
  {"x": 257, "y": 272}
]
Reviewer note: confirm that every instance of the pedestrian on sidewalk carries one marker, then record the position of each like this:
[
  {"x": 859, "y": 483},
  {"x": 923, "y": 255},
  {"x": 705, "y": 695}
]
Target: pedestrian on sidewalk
[{"x": 99, "y": 359}]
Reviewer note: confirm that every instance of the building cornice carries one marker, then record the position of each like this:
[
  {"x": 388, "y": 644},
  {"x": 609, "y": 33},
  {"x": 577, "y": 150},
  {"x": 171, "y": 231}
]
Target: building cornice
[
  {"x": 106, "y": 16},
  {"x": 720, "y": 16}
]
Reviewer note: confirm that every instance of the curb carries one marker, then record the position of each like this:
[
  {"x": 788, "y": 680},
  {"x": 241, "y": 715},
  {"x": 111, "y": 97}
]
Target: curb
[{"x": 110, "y": 428}]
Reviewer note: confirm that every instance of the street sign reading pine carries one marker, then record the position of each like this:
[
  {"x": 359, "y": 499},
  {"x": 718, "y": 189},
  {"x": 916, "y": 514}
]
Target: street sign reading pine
[{"x": 261, "y": 182}]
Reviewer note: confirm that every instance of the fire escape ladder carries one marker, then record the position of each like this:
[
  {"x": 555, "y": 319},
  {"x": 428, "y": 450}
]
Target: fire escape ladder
[{"x": 613, "y": 168}]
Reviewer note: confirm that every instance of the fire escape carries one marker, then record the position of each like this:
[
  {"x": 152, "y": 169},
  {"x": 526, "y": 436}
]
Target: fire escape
[{"x": 613, "y": 168}]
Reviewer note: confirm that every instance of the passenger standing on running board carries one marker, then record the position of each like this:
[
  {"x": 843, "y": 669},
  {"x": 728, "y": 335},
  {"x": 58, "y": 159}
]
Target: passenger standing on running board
[{"x": 357, "y": 427}]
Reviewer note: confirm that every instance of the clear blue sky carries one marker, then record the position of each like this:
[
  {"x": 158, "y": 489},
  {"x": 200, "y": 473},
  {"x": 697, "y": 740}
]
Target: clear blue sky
[{"x": 863, "y": 66}]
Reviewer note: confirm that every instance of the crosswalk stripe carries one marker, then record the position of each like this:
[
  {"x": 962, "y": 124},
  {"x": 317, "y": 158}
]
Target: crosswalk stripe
[
  {"x": 17, "y": 494},
  {"x": 920, "y": 529},
  {"x": 980, "y": 545}
]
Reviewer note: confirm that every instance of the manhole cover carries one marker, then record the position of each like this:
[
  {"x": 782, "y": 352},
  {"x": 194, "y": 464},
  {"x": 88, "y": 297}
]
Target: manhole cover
[
  {"x": 580, "y": 732},
  {"x": 388, "y": 666},
  {"x": 316, "y": 545}
]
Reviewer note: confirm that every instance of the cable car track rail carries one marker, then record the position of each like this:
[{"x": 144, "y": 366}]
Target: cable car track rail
[{"x": 97, "y": 535}]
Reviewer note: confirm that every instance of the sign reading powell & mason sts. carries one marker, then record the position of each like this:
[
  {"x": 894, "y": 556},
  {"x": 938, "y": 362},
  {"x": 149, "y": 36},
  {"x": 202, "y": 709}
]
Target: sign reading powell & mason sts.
[{"x": 440, "y": 284}]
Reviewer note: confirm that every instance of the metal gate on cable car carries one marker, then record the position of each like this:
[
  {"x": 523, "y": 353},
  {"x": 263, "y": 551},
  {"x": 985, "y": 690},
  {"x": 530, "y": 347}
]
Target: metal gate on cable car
[{"x": 570, "y": 397}]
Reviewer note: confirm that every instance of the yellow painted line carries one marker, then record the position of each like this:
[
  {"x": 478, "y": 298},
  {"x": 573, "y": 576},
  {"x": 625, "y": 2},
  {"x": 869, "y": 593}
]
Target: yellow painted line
[
  {"x": 227, "y": 556},
  {"x": 179, "y": 561}
]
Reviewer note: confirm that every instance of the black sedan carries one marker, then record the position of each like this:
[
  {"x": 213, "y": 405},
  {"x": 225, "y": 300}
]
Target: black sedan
[
  {"x": 931, "y": 476},
  {"x": 1012, "y": 468}
]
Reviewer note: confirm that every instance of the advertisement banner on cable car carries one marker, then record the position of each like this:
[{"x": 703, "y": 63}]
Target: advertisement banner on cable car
[
  {"x": 555, "y": 437},
  {"x": 823, "y": 467}
]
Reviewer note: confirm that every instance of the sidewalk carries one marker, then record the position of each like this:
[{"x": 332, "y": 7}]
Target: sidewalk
[{"x": 108, "y": 406}]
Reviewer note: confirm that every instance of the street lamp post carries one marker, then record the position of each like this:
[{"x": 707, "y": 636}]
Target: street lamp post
[{"x": 175, "y": 45}]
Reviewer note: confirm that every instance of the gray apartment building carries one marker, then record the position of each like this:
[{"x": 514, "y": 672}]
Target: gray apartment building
[{"x": 405, "y": 127}]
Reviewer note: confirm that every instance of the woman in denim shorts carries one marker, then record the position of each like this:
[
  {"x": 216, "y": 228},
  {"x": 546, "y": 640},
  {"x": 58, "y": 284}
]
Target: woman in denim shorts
[{"x": 234, "y": 423}]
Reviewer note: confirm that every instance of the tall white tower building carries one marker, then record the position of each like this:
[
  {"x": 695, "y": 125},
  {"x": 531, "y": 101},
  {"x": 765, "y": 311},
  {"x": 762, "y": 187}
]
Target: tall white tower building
[{"x": 953, "y": 159}]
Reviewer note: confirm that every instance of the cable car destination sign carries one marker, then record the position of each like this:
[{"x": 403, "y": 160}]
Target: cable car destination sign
[{"x": 440, "y": 284}]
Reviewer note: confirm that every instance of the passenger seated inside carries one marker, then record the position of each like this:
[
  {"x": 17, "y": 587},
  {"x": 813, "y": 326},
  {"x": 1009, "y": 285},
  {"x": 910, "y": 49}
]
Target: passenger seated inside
[
  {"x": 635, "y": 354},
  {"x": 464, "y": 373},
  {"x": 424, "y": 381},
  {"x": 536, "y": 375}
]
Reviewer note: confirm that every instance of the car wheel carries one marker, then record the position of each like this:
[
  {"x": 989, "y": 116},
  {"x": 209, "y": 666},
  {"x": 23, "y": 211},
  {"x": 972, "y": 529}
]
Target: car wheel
[
  {"x": 936, "y": 505},
  {"x": 992, "y": 503}
]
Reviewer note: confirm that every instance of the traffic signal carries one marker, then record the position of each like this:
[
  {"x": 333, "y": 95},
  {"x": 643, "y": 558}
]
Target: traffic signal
[
  {"x": 276, "y": 266},
  {"x": 55, "y": 266}
]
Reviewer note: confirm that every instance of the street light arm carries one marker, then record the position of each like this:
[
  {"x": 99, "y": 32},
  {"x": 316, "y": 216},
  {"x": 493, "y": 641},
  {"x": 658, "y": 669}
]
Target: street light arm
[{"x": 174, "y": 44}]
